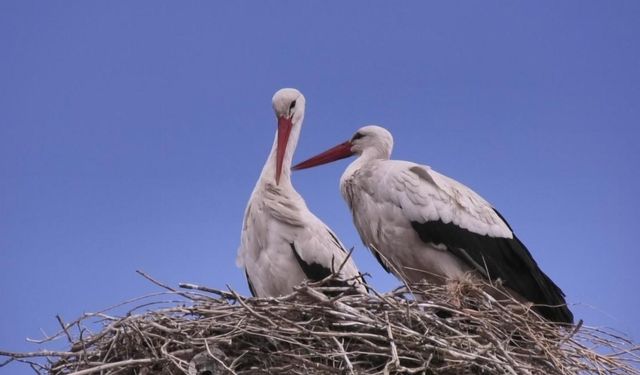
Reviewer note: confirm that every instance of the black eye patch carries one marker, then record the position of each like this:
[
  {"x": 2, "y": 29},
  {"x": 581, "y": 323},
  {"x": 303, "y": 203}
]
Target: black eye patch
[
  {"x": 358, "y": 135},
  {"x": 293, "y": 105}
]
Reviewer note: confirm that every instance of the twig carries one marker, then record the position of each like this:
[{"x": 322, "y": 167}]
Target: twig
[{"x": 106, "y": 366}]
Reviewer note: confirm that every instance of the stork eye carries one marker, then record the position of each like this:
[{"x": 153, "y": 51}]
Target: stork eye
[
  {"x": 293, "y": 105},
  {"x": 358, "y": 135}
]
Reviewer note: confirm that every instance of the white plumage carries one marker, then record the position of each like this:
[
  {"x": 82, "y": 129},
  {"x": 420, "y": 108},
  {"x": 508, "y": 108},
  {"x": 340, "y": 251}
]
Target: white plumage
[
  {"x": 421, "y": 224},
  {"x": 282, "y": 243}
]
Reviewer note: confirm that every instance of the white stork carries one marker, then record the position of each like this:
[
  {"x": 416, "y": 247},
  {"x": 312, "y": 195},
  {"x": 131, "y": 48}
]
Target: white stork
[
  {"x": 421, "y": 224},
  {"x": 282, "y": 243}
]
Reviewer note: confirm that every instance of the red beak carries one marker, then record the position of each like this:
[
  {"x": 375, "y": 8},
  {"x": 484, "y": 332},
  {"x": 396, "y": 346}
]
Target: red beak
[
  {"x": 284, "y": 129},
  {"x": 341, "y": 151}
]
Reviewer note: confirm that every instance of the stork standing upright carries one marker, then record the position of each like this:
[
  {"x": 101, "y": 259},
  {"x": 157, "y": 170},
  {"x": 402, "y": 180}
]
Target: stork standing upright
[
  {"x": 282, "y": 243},
  {"x": 421, "y": 224}
]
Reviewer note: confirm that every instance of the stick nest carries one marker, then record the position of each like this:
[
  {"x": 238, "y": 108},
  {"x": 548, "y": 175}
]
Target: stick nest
[{"x": 424, "y": 328}]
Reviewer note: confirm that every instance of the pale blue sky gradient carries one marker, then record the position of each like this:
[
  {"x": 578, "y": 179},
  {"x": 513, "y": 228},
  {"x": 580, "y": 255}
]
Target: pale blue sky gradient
[{"x": 132, "y": 133}]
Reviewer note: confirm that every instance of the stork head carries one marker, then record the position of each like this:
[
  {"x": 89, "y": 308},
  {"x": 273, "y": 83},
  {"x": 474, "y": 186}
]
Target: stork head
[
  {"x": 372, "y": 139},
  {"x": 374, "y": 142},
  {"x": 288, "y": 105}
]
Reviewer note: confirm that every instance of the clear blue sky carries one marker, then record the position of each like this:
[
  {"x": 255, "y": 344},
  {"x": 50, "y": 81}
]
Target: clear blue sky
[{"x": 132, "y": 133}]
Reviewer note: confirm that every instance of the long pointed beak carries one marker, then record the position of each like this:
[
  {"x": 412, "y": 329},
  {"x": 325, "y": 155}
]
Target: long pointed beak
[
  {"x": 341, "y": 151},
  {"x": 284, "y": 129}
]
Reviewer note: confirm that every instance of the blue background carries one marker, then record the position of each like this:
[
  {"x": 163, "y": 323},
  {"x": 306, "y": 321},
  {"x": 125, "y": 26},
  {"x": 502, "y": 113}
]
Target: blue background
[{"x": 132, "y": 134}]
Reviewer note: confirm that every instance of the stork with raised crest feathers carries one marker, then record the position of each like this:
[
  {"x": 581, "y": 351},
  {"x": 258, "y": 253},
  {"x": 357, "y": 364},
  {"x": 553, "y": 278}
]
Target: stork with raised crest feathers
[
  {"x": 421, "y": 224},
  {"x": 282, "y": 243}
]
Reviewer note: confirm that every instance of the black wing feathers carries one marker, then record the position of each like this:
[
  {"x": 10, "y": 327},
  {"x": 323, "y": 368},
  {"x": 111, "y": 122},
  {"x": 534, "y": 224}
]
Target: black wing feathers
[
  {"x": 380, "y": 260},
  {"x": 251, "y": 289},
  {"x": 501, "y": 258},
  {"x": 313, "y": 271},
  {"x": 317, "y": 272}
]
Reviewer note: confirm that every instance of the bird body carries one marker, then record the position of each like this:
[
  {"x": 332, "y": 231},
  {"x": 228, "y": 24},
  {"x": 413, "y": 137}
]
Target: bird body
[
  {"x": 386, "y": 196},
  {"x": 282, "y": 243},
  {"x": 421, "y": 224},
  {"x": 381, "y": 217}
]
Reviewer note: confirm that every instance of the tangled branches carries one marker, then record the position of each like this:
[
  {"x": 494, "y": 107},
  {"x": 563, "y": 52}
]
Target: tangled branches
[{"x": 428, "y": 329}]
